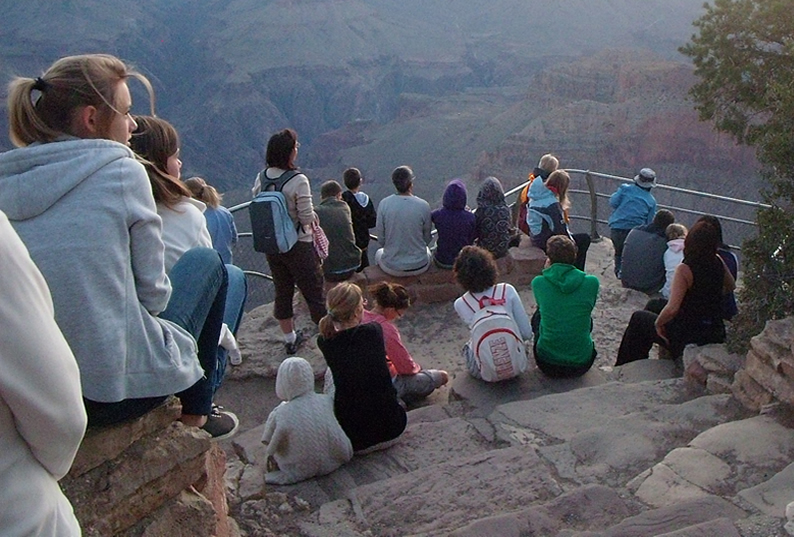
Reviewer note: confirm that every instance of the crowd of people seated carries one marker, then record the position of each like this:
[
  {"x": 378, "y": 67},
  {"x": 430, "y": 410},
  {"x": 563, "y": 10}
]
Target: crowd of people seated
[{"x": 126, "y": 273}]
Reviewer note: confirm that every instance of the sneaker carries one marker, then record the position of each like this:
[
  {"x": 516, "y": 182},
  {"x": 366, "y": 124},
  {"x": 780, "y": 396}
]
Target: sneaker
[
  {"x": 235, "y": 357},
  {"x": 221, "y": 423},
  {"x": 292, "y": 348}
]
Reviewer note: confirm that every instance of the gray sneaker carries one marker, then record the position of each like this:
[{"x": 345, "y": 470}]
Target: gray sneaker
[
  {"x": 292, "y": 348},
  {"x": 221, "y": 423}
]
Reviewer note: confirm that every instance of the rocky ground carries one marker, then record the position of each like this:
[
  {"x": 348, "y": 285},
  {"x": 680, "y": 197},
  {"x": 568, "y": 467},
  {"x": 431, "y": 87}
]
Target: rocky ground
[{"x": 629, "y": 451}]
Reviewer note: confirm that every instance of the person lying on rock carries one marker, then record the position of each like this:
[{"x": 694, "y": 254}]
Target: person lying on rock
[
  {"x": 365, "y": 400},
  {"x": 563, "y": 322},
  {"x": 302, "y": 435},
  {"x": 411, "y": 381}
]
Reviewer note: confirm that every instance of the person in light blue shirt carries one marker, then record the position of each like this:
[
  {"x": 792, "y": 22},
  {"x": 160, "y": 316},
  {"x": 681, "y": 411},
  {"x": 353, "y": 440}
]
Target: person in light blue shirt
[
  {"x": 632, "y": 205},
  {"x": 220, "y": 221}
]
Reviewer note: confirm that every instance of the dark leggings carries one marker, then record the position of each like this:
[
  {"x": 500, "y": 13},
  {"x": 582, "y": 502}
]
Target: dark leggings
[
  {"x": 582, "y": 241},
  {"x": 618, "y": 237},
  {"x": 640, "y": 335}
]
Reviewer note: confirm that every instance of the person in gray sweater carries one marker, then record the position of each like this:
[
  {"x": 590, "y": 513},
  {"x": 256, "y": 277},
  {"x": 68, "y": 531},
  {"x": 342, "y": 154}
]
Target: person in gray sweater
[
  {"x": 81, "y": 202},
  {"x": 403, "y": 228}
]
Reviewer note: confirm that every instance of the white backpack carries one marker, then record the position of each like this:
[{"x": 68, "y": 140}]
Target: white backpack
[{"x": 496, "y": 342}]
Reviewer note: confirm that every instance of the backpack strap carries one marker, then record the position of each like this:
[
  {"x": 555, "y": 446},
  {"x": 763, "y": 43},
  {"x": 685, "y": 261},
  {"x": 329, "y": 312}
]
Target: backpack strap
[
  {"x": 279, "y": 182},
  {"x": 503, "y": 287},
  {"x": 492, "y": 300},
  {"x": 467, "y": 302}
]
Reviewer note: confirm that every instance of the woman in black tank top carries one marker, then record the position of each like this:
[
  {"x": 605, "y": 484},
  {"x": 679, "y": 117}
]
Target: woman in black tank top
[{"x": 694, "y": 312}]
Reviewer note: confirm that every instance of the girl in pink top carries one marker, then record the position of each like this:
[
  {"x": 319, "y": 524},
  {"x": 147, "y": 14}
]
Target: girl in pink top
[{"x": 410, "y": 380}]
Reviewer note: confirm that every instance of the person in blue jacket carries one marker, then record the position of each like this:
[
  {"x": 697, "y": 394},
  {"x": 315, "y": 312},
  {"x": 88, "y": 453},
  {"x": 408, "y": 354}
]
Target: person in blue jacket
[
  {"x": 546, "y": 216},
  {"x": 632, "y": 205}
]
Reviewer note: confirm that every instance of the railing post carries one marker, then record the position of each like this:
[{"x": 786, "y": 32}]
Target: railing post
[{"x": 594, "y": 236}]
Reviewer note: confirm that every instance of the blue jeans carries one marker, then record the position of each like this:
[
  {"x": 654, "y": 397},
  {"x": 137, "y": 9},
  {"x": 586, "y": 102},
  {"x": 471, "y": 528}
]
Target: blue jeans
[
  {"x": 236, "y": 294},
  {"x": 198, "y": 296},
  {"x": 199, "y": 283}
]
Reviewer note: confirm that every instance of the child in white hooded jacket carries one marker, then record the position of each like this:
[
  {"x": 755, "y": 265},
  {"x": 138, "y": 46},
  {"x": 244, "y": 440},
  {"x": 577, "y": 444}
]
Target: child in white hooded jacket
[
  {"x": 673, "y": 255},
  {"x": 302, "y": 434}
]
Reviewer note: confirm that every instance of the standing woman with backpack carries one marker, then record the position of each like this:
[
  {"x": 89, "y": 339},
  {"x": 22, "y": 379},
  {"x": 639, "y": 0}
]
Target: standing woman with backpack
[{"x": 300, "y": 265}]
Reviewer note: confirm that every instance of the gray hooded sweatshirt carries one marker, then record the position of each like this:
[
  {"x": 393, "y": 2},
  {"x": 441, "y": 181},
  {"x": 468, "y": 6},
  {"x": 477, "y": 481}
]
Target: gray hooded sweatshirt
[{"x": 85, "y": 211}]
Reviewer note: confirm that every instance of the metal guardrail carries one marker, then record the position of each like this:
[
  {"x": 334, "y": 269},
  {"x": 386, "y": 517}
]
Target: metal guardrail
[{"x": 594, "y": 196}]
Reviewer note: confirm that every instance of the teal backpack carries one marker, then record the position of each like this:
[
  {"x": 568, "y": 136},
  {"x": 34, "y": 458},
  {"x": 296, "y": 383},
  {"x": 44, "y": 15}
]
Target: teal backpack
[{"x": 271, "y": 226}]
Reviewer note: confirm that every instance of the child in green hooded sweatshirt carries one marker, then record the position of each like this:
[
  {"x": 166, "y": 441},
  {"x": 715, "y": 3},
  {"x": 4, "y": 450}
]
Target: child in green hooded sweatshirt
[{"x": 562, "y": 323}]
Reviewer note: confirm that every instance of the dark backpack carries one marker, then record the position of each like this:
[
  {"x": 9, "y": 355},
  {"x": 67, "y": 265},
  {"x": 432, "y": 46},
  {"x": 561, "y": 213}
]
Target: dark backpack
[{"x": 271, "y": 226}]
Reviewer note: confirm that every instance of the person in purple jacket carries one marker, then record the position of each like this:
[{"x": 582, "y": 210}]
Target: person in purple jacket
[{"x": 454, "y": 223}]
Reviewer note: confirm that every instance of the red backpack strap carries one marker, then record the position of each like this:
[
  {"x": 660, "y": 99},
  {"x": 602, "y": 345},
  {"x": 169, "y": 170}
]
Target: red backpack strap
[{"x": 492, "y": 300}]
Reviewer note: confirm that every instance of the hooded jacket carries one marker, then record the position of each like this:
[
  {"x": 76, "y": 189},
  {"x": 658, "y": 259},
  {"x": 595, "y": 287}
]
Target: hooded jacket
[
  {"x": 492, "y": 219},
  {"x": 302, "y": 433},
  {"x": 455, "y": 224},
  {"x": 343, "y": 254},
  {"x": 545, "y": 216},
  {"x": 672, "y": 258},
  {"x": 565, "y": 297},
  {"x": 363, "y": 215},
  {"x": 85, "y": 211},
  {"x": 42, "y": 417}
]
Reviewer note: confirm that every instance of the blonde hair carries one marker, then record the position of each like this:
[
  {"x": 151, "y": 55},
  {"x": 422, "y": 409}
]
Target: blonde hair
[
  {"x": 558, "y": 183},
  {"x": 549, "y": 162},
  {"x": 675, "y": 231},
  {"x": 344, "y": 303},
  {"x": 70, "y": 83},
  {"x": 204, "y": 192}
]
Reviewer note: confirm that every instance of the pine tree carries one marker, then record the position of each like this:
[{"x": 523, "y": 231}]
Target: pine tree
[{"x": 744, "y": 58}]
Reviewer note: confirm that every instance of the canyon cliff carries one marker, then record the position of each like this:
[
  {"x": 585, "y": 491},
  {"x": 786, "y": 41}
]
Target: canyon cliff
[{"x": 455, "y": 91}]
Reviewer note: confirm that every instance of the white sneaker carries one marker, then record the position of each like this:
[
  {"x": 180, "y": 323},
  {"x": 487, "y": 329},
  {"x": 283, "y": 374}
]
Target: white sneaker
[{"x": 235, "y": 357}]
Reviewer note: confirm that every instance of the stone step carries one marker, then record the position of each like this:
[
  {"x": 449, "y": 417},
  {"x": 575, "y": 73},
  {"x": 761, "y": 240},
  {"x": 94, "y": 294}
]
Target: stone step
[
  {"x": 611, "y": 433},
  {"x": 547, "y": 462},
  {"x": 595, "y": 439},
  {"x": 426, "y": 442},
  {"x": 484, "y": 397},
  {"x": 446, "y": 496},
  {"x": 750, "y": 458},
  {"x": 598, "y": 511}
]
